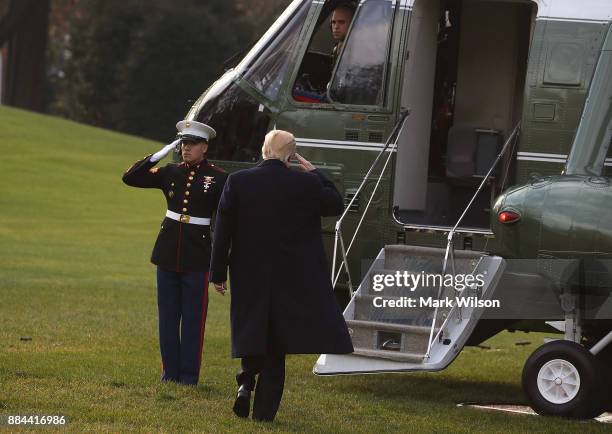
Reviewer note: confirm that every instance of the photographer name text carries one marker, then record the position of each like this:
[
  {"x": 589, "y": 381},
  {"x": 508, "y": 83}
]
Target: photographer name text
[{"x": 414, "y": 302}]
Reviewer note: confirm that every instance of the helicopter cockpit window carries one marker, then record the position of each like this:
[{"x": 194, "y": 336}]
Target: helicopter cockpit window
[
  {"x": 268, "y": 71},
  {"x": 316, "y": 68},
  {"x": 359, "y": 76},
  {"x": 239, "y": 122}
]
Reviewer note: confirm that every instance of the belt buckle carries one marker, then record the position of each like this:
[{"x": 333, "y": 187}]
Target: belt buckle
[{"x": 184, "y": 218}]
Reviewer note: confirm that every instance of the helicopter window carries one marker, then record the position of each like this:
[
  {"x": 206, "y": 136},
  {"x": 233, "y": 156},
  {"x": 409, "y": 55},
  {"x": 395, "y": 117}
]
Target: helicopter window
[
  {"x": 359, "y": 77},
  {"x": 240, "y": 125},
  {"x": 316, "y": 69},
  {"x": 269, "y": 70}
]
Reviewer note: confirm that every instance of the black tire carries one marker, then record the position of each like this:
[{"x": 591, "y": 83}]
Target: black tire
[{"x": 588, "y": 401}]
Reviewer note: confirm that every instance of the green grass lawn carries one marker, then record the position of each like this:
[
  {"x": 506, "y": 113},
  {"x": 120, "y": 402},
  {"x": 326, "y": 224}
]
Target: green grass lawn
[{"x": 75, "y": 277}]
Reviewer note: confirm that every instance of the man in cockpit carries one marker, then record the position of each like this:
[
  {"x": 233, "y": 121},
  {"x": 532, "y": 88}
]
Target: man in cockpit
[
  {"x": 314, "y": 77},
  {"x": 341, "y": 18}
]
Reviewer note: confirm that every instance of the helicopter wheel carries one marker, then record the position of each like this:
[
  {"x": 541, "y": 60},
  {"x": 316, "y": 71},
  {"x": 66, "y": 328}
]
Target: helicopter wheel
[{"x": 562, "y": 378}]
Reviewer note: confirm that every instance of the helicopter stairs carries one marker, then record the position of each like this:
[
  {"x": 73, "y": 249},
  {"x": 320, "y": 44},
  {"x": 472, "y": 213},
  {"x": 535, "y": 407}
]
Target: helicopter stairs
[
  {"x": 421, "y": 327},
  {"x": 391, "y": 333},
  {"x": 388, "y": 334}
]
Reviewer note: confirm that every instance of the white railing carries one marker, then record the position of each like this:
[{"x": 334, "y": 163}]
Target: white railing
[
  {"x": 389, "y": 146},
  {"x": 450, "y": 251}
]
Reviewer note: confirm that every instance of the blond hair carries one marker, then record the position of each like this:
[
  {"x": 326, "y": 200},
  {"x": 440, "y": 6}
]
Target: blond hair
[{"x": 279, "y": 145}]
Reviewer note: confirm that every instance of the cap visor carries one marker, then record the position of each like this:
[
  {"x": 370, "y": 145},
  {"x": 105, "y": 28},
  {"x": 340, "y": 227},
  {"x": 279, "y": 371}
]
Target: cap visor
[{"x": 193, "y": 138}]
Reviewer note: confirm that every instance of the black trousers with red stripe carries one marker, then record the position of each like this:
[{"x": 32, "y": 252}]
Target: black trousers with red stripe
[{"x": 182, "y": 301}]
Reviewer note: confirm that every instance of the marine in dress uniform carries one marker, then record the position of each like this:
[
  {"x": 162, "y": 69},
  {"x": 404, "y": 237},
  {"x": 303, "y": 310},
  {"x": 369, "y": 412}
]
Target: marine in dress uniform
[{"x": 182, "y": 250}]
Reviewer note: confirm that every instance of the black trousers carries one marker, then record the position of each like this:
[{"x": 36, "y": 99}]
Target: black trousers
[
  {"x": 269, "y": 385},
  {"x": 182, "y": 301}
]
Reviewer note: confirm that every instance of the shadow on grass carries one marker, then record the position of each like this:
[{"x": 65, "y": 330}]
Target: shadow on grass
[
  {"x": 168, "y": 391},
  {"x": 428, "y": 387},
  {"x": 165, "y": 396},
  {"x": 24, "y": 374}
]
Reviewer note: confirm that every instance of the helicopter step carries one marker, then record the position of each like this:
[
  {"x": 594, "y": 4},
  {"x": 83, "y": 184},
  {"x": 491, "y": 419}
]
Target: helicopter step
[
  {"x": 411, "y": 312},
  {"x": 407, "y": 343}
]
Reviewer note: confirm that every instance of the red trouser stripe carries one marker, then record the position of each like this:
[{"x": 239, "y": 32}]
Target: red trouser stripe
[{"x": 204, "y": 313}]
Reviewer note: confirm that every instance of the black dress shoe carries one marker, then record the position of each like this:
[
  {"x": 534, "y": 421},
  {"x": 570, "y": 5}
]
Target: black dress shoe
[{"x": 242, "y": 405}]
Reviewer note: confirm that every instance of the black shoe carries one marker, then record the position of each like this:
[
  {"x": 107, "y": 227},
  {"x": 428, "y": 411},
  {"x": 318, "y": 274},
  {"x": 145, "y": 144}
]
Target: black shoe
[{"x": 242, "y": 405}]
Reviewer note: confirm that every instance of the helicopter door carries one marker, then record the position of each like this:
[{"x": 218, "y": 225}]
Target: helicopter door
[{"x": 464, "y": 84}]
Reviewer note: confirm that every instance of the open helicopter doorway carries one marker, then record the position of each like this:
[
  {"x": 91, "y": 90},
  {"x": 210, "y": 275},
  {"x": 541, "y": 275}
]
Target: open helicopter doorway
[{"x": 463, "y": 83}]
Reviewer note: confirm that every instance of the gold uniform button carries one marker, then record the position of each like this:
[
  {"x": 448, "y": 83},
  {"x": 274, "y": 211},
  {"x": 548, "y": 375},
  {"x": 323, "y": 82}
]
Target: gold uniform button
[
  {"x": 191, "y": 178},
  {"x": 184, "y": 209},
  {"x": 192, "y": 173},
  {"x": 188, "y": 184},
  {"x": 185, "y": 201},
  {"x": 186, "y": 193}
]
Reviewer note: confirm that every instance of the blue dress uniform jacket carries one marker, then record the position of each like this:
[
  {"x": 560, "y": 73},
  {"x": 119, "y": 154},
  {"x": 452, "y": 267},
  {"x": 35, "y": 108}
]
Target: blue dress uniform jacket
[
  {"x": 190, "y": 191},
  {"x": 282, "y": 298}
]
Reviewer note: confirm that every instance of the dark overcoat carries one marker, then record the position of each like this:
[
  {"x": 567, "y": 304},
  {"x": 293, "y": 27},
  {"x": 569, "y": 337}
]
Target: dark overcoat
[{"x": 268, "y": 232}]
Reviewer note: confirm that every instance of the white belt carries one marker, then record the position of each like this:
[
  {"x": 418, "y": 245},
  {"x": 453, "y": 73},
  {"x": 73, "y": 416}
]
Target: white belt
[{"x": 183, "y": 218}]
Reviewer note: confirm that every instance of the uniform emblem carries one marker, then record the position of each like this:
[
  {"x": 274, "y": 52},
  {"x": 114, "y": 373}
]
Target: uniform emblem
[
  {"x": 208, "y": 181},
  {"x": 171, "y": 194},
  {"x": 153, "y": 169}
]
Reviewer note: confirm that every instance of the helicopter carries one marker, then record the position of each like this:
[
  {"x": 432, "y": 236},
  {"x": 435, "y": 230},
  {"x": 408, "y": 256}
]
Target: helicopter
[{"x": 468, "y": 137}]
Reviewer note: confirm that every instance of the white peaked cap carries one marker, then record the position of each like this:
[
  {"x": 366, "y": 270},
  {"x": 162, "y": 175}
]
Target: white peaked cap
[{"x": 195, "y": 130}]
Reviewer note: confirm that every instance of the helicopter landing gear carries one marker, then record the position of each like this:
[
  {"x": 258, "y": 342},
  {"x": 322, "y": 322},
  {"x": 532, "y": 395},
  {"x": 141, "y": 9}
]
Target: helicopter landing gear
[{"x": 562, "y": 378}]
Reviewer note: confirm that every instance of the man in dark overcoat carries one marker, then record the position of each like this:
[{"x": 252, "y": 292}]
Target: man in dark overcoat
[{"x": 268, "y": 232}]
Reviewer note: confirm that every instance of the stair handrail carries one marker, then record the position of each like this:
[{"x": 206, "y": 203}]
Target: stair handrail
[
  {"x": 450, "y": 251},
  {"x": 396, "y": 132}
]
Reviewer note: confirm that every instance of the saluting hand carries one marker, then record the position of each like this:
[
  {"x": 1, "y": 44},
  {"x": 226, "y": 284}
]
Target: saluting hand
[
  {"x": 304, "y": 163},
  {"x": 221, "y": 287},
  {"x": 164, "y": 151}
]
